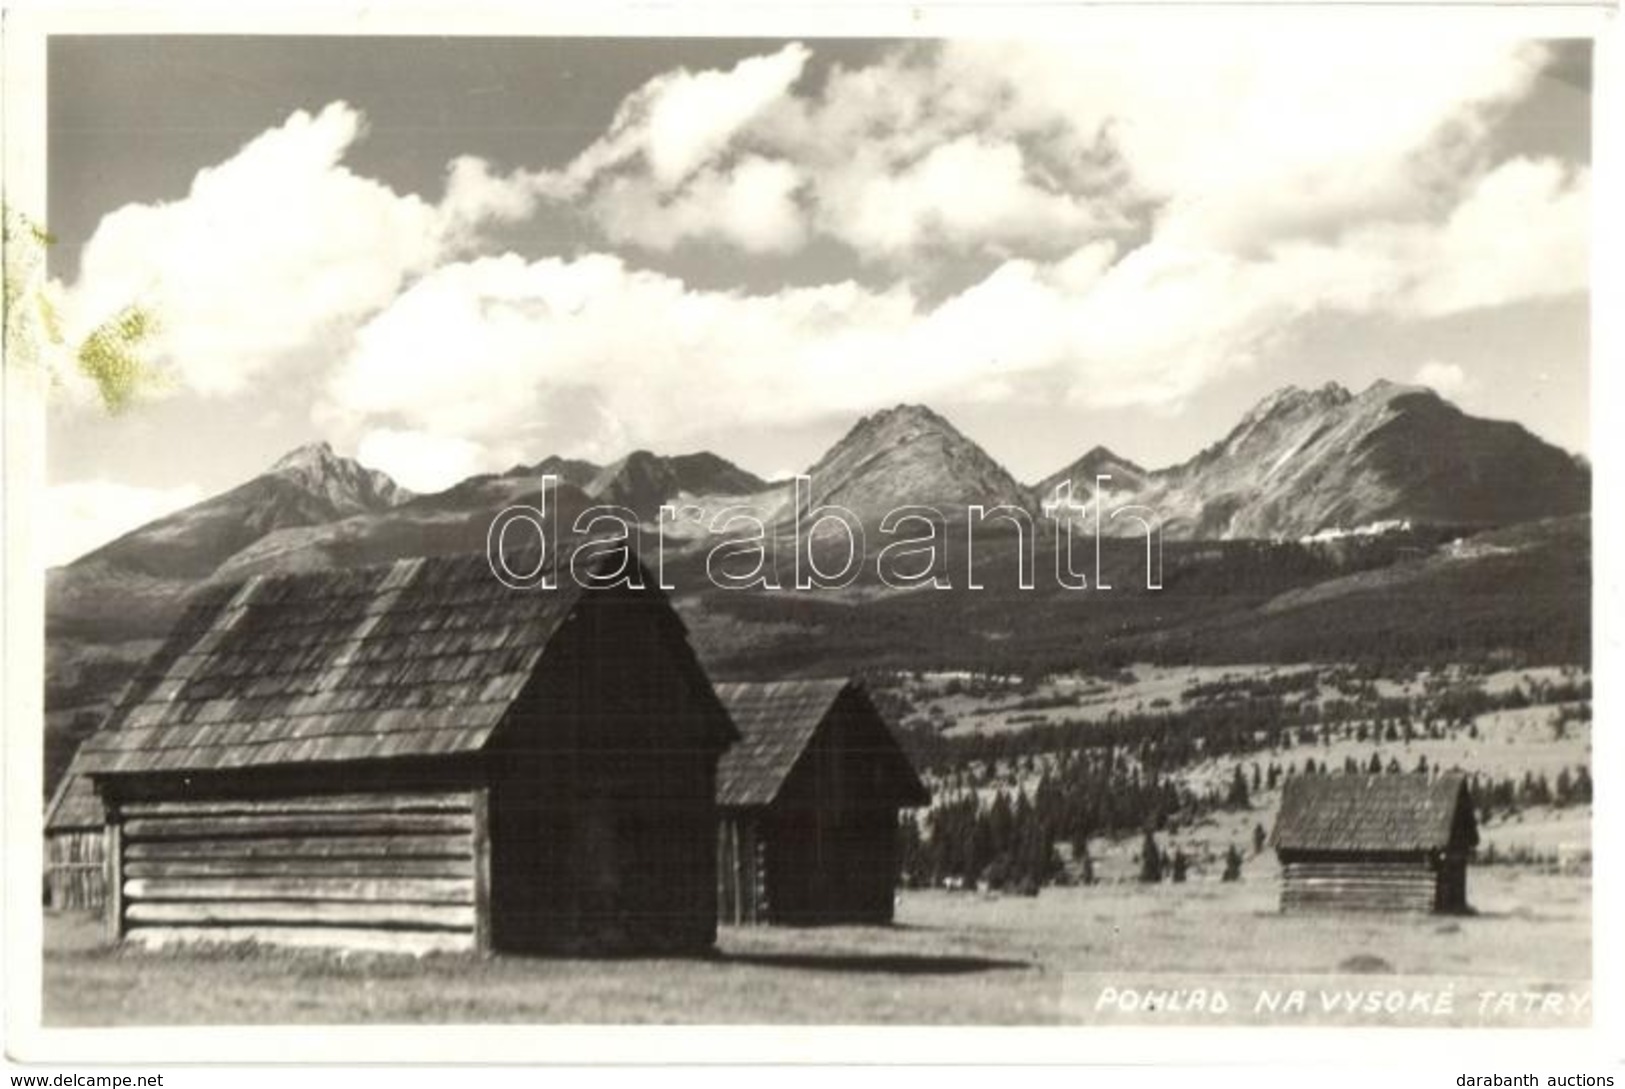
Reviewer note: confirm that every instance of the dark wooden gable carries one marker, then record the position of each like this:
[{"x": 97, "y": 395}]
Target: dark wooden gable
[
  {"x": 621, "y": 658},
  {"x": 823, "y": 736},
  {"x": 853, "y": 762}
]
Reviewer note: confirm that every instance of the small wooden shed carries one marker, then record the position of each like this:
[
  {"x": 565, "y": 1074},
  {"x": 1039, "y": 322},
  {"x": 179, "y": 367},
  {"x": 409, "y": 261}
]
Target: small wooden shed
[
  {"x": 416, "y": 757},
  {"x": 809, "y": 799},
  {"x": 1375, "y": 843},
  {"x": 74, "y": 862}
]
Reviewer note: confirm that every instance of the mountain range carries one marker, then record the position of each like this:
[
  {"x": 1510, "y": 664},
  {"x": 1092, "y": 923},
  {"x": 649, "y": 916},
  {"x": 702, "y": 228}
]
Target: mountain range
[{"x": 1301, "y": 463}]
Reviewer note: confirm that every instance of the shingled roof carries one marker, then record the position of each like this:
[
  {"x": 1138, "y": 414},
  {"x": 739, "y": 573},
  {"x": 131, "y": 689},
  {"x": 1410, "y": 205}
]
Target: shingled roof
[
  {"x": 777, "y": 722},
  {"x": 1375, "y": 813},
  {"x": 419, "y": 657},
  {"x": 74, "y": 805}
]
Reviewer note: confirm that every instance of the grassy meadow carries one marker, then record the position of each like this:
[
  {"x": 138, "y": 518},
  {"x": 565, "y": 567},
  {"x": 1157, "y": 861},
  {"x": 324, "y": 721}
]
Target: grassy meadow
[{"x": 951, "y": 958}]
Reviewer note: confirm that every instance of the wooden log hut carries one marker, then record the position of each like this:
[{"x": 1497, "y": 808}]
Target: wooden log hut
[
  {"x": 416, "y": 757},
  {"x": 809, "y": 800},
  {"x": 1375, "y": 843}
]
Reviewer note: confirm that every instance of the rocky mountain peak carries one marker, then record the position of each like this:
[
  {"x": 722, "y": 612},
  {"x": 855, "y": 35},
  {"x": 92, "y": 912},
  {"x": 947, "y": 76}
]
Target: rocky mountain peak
[
  {"x": 345, "y": 483},
  {"x": 1084, "y": 474},
  {"x": 576, "y": 471},
  {"x": 902, "y": 418},
  {"x": 1382, "y": 390},
  {"x": 311, "y": 454},
  {"x": 644, "y": 480},
  {"x": 1303, "y": 461},
  {"x": 909, "y": 455},
  {"x": 1296, "y": 401},
  {"x": 1104, "y": 459}
]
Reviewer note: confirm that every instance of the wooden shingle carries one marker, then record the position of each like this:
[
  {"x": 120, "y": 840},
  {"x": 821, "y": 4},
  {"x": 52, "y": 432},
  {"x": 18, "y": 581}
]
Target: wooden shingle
[
  {"x": 1375, "y": 813},
  {"x": 423, "y": 656},
  {"x": 776, "y": 723}
]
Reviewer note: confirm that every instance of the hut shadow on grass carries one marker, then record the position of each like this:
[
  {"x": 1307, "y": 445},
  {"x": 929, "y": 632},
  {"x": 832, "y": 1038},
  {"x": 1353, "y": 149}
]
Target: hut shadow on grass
[
  {"x": 1523, "y": 913},
  {"x": 905, "y": 964}
]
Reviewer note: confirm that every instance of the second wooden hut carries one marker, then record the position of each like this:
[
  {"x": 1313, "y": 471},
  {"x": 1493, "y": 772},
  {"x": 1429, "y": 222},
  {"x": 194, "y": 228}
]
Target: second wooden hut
[{"x": 808, "y": 804}]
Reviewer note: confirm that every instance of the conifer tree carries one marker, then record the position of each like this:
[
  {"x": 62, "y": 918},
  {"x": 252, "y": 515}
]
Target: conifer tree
[
  {"x": 1150, "y": 860},
  {"x": 1238, "y": 797}
]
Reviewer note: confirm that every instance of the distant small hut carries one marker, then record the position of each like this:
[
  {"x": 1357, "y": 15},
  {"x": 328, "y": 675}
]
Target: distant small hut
[
  {"x": 1375, "y": 843},
  {"x": 809, "y": 800},
  {"x": 415, "y": 757}
]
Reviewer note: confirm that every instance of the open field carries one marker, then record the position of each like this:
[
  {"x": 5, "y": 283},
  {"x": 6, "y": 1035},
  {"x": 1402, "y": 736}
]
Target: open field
[{"x": 951, "y": 958}]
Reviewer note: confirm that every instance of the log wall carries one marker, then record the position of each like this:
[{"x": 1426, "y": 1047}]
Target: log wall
[
  {"x": 1358, "y": 885},
  {"x": 827, "y": 865},
  {"x": 74, "y": 866},
  {"x": 742, "y": 896},
  {"x": 385, "y": 872}
]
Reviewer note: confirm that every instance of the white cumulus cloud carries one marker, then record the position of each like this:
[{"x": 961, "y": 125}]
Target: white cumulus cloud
[
  {"x": 276, "y": 251},
  {"x": 1523, "y": 232},
  {"x": 1446, "y": 378},
  {"x": 597, "y": 355},
  {"x": 681, "y": 120},
  {"x": 1270, "y": 136},
  {"x": 1145, "y": 220},
  {"x": 420, "y": 461},
  {"x": 752, "y": 206},
  {"x": 499, "y": 351},
  {"x": 1045, "y": 145}
]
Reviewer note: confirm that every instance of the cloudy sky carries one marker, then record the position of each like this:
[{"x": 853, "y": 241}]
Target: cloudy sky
[{"x": 454, "y": 255}]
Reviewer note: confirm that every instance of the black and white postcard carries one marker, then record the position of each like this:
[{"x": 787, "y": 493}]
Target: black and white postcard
[{"x": 1052, "y": 522}]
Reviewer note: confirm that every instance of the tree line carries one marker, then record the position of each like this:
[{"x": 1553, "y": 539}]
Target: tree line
[{"x": 1012, "y": 841}]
